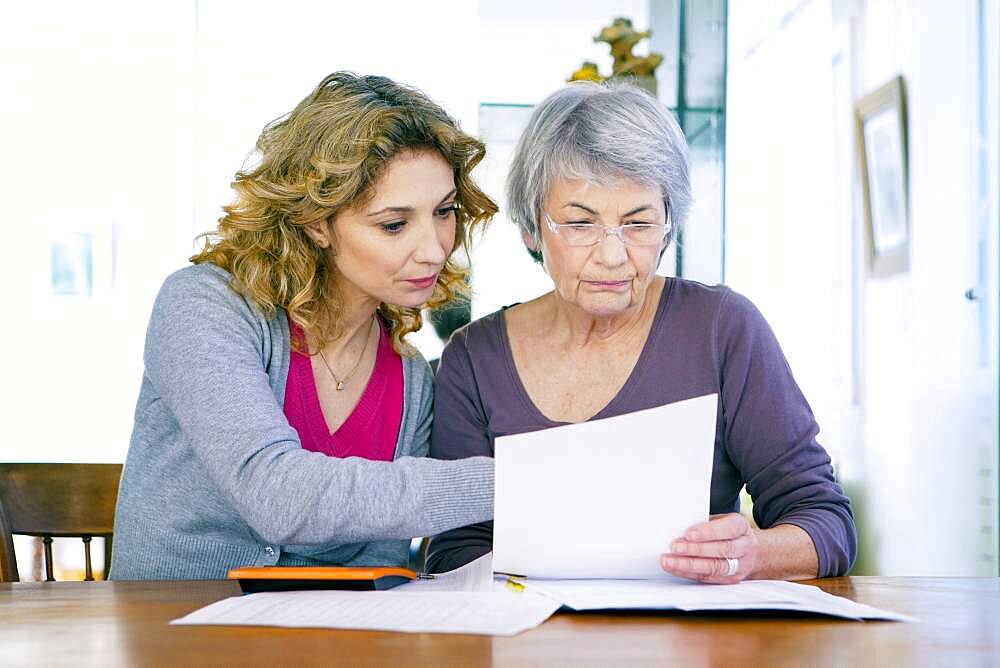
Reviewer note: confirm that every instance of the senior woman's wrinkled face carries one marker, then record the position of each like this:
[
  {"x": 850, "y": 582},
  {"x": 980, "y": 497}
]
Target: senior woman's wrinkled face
[{"x": 606, "y": 279}]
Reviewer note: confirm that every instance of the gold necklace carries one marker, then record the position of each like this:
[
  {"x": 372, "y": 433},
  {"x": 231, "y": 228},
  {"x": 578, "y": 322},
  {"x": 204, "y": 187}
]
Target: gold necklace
[{"x": 340, "y": 381}]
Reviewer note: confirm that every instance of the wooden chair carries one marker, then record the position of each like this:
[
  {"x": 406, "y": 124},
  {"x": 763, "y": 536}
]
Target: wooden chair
[{"x": 56, "y": 500}]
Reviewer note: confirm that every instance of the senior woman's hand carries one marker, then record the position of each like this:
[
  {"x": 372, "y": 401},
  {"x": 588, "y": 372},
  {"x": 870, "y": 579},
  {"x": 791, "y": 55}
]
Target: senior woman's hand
[
  {"x": 704, "y": 551},
  {"x": 783, "y": 552}
]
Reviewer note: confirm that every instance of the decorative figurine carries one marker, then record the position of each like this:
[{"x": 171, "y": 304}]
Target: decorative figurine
[
  {"x": 587, "y": 72},
  {"x": 622, "y": 37}
]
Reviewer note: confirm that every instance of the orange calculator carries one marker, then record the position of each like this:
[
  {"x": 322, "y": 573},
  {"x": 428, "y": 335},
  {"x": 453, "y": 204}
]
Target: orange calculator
[{"x": 291, "y": 578}]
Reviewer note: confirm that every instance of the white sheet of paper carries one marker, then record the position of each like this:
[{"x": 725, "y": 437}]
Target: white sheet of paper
[
  {"x": 603, "y": 499},
  {"x": 685, "y": 595},
  {"x": 474, "y": 576},
  {"x": 465, "y": 600},
  {"x": 499, "y": 612}
]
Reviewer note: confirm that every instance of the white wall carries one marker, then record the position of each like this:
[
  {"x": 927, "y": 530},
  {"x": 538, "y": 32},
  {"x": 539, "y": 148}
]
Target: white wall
[
  {"x": 890, "y": 364},
  {"x": 98, "y": 139},
  {"x": 919, "y": 355},
  {"x": 788, "y": 247}
]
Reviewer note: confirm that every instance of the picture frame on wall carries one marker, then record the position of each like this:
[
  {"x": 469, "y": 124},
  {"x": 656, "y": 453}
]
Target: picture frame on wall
[{"x": 884, "y": 168}]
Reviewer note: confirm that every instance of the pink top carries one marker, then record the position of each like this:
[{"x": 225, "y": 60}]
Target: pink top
[{"x": 372, "y": 428}]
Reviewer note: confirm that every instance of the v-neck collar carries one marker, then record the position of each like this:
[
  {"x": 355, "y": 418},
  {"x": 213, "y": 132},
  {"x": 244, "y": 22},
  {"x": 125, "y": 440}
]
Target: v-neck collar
[
  {"x": 623, "y": 394},
  {"x": 361, "y": 416}
]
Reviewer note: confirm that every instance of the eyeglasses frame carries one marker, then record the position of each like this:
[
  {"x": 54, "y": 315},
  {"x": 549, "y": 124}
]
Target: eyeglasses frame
[{"x": 617, "y": 231}]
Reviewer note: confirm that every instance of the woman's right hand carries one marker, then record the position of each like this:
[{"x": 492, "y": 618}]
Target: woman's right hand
[{"x": 721, "y": 551}]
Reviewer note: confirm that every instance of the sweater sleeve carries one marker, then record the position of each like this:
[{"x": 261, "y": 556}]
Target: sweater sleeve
[
  {"x": 203, "y": 356},
  {"x": 460, "y": 430},
  {"x": 770, "y": 435}
]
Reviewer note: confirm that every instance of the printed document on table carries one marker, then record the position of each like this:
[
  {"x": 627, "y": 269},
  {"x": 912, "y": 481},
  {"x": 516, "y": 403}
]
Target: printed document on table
[
  {"x": 466, "y": 600},
  {"x": 603, "y": 499},
  {"x": 486, "y": 613},
  {"x": 679, "y": 594}
]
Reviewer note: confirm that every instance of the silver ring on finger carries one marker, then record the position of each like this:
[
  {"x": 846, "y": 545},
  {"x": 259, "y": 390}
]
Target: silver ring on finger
[{"x": 733, "y": 566}]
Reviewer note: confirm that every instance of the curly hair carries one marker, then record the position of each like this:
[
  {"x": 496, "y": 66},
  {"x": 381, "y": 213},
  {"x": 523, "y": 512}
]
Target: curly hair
[{"x": 323, "y": 157}]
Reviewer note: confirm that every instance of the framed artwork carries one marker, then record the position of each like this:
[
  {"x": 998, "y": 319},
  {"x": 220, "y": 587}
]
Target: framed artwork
[{"x": 883, "y": 153}]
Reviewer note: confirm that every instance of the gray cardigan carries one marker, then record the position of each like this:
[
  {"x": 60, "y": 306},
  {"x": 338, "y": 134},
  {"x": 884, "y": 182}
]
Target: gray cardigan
[{"x": 216, "y": 477}]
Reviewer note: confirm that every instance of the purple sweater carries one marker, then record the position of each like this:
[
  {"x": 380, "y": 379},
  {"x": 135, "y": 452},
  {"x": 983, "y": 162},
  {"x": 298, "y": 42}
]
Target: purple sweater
[{"x": 703, "y": 340}]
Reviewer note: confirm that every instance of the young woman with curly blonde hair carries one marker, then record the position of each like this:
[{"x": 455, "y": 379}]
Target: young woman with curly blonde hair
[{"x": 283, "y": 419}]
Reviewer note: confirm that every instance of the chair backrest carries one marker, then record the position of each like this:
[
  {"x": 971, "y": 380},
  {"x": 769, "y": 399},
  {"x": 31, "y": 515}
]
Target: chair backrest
[{"x": 56, "y": 500}]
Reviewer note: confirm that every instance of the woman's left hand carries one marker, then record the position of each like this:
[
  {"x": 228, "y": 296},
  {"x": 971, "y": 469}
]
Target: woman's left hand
[{"x": 705, "y": 551}]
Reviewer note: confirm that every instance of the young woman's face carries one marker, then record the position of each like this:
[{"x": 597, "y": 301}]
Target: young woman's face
[{"x": 392, "y": 248}]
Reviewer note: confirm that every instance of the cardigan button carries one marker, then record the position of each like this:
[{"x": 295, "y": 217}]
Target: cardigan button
[{"x": 269, "y": 550}]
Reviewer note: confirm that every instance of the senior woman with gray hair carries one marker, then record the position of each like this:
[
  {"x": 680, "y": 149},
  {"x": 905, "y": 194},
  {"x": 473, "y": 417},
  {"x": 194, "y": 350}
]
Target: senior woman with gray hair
[{"x": 599, "y": 186}]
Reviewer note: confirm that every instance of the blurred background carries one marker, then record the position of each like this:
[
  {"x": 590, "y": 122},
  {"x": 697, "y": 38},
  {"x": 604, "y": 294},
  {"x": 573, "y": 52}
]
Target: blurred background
[{"x": 125, "y": 122}]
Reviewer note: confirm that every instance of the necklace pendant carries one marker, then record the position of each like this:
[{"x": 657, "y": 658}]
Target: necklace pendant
[{"x": 340, "y": 385}]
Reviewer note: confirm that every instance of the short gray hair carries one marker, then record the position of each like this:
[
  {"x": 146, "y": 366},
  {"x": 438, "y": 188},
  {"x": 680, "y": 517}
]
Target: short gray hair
[{"x": 601, "y": 133}]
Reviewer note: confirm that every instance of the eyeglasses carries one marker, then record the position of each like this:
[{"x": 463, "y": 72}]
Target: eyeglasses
[{"x": 591, "y": 234}]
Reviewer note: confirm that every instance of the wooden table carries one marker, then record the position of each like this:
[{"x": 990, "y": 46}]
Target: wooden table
[{"x": 125, "y": 623}]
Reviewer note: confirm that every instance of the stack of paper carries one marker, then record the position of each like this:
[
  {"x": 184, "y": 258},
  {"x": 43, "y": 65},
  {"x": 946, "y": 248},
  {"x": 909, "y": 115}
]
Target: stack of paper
[
  {"x": 464, "y": 601},
  {"x": 487, "y": 613},
  {"x": 471, "y": 600},
  {"x": 683, "y": 595}
]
